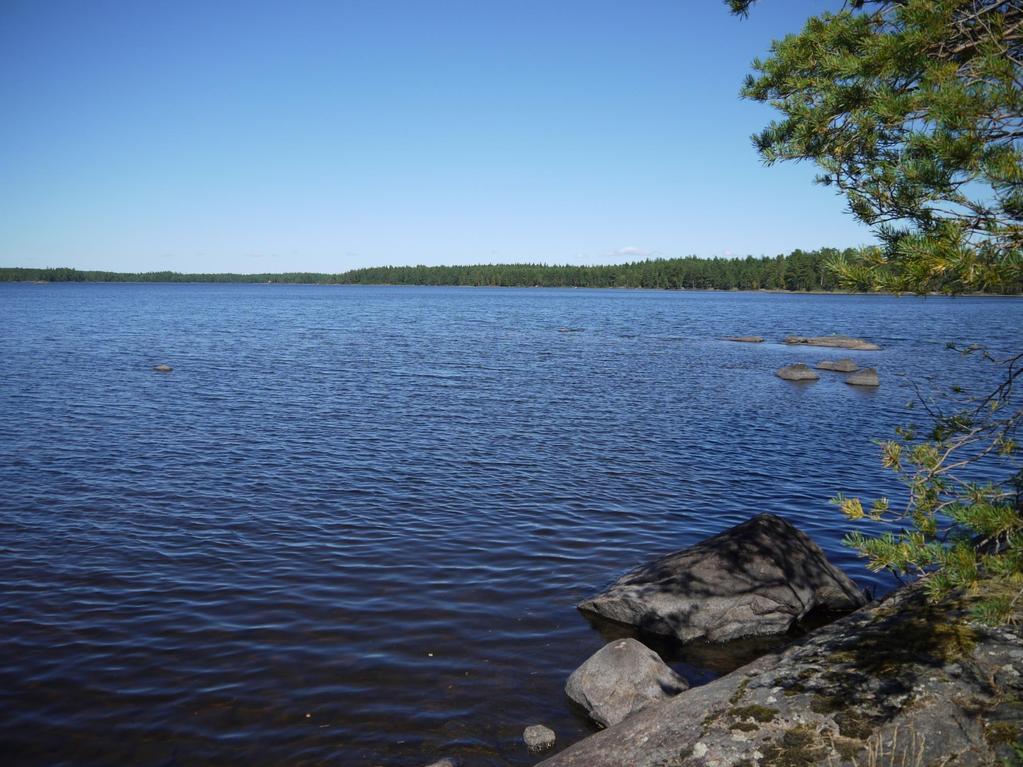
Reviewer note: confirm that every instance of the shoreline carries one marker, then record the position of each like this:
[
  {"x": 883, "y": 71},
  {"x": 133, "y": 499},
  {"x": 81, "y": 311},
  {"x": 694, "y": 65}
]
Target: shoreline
[
  {"x": 744, "y": 291},
  {"x": 800, "y": 271}
]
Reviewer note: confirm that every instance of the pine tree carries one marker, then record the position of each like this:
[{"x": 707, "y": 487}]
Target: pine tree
[{"x": 913, "y": 109}]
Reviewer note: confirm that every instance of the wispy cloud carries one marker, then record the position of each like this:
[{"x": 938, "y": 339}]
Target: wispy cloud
[
  {"x": 632, "y": 251},
  {"x": 628, "y": 253}
]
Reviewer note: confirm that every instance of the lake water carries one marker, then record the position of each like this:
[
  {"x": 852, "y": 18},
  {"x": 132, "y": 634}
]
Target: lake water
[{"x": 351, "y": 526}]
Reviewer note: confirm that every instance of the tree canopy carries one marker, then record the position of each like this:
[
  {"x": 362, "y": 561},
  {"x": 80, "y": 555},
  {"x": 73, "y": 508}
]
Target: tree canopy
[
  {"x": 913, "y": 109},
  {"x": 800, "y": 270}
]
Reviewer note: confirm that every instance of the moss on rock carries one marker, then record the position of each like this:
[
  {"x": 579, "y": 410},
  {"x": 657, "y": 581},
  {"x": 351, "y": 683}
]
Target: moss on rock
[
  {"x": 1000, "y": 733},
  {"x": 755, "y": 712},
  {"x": 740, "y": 691},
  {"x": 798, "y": 747}
]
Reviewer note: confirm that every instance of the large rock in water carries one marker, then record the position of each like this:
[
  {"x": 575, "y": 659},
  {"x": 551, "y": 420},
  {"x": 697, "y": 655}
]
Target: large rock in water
[
  {"x": 621, "y": 678},
  {"x": 756, "y": 578},
  {"x": 797, "y": 372},
  {"x": 839, "y": 342}
]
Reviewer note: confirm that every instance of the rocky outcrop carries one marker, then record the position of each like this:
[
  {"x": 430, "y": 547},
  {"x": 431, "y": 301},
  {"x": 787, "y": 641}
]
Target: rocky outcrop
[
  {"x": 840, "y": 342},
  {"x": 844, "y": 365},
  {"x": 797, "y": 372},
  {"x": 755, "y": 579},
  {"x": 901, "y": 682},
  {"x": 746, "y": 339},
  {"x": 621, "y": 678},
  {"x": 539, "y": 738},
  {"x": 865, "y": 377}
]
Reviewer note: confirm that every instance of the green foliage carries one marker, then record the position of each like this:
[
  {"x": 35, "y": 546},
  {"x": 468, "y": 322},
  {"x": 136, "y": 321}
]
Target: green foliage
[
  {"x": 913, "y": 109},
  {"x": 1017, "y": 755},
  {"x": 956, "y": 531}
]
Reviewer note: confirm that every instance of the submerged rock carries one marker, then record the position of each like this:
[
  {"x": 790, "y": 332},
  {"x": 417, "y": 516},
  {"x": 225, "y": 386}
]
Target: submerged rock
[
  {"x": 539, "y": 738},
  {"x": 754, "y": 579},
  {"x": 797, "y": 372},
  {"x": 844, "y": 365},
  {"x": 746, "y": 339},
  {"x": 162, "y": 368},
  {"x": 865, "y": 377},
  {"x": 840, "y": 342},
  {"x": 621, "y": 678}
]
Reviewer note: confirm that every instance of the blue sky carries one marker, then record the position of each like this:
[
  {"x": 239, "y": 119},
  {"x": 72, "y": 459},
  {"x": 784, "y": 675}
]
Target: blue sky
[{"x": 307, "y": 135}]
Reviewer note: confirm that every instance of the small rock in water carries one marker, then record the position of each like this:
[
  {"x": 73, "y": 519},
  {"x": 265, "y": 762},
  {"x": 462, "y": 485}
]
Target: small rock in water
[
  {"x": 621, "y": 678},
  {"x": 538, "y": 737},
  {"x": 162, "y": 368},
  {"x": 797, "y": 372},
  {"x": 865, "y": 377},
  {"x": 570, "y": 330},
  {"x": 447, "y": 761},
  {"x": 844, "y": 365},
  {"x": 746, "y": 339}
]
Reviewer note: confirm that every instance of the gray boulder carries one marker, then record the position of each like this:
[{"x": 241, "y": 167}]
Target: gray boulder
[
  {"x": 162, "y": 368},
  {"x": 797, "y": 372},
  {"x": 621, "y": 678},
  {"x": 757, "y": 578},
  {"x": 865, "y": 377},
  {"x": 844, "y": 365},
  {"x": 746, "y": 339},
  {"x": 839, "y": 342},
  {"x": 539, "y": 738}
]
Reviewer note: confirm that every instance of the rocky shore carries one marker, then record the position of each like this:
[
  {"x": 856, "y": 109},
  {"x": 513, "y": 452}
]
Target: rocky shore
[{"x": 900, "y": 681}]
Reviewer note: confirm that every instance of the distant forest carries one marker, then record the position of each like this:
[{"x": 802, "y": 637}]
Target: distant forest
[{"x": 800, "y": 270}]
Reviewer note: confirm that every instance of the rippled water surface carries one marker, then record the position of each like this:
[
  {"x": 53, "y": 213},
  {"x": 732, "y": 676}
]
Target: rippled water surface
[{"x": 351, "y": 526}]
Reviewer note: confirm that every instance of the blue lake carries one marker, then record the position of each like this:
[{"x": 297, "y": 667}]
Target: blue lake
[{"x": 351, "y": 526}]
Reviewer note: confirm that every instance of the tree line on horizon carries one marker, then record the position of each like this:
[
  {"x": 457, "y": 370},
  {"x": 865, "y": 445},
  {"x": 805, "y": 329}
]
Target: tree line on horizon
[{"x": 800, "y": 270}]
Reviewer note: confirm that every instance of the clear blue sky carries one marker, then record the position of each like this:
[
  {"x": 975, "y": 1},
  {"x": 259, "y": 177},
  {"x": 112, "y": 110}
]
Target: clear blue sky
[{"x": 325, "y": 135}]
